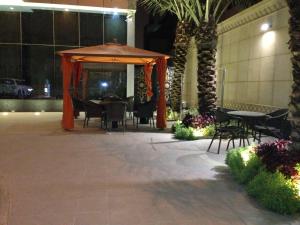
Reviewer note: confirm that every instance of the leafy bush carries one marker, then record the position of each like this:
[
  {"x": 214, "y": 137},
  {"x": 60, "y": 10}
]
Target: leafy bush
[
  {"x": 276, "y": 156},
  {"x": 244, "y": 164},
  {"x": 208, "y": 131},
  {"x": 275, "y": 192},
  {"x": 184, "y": 133},
  {"x": 176, "y": 125},
  {"x": 197, "y": 121},
  {"x": 235, "y": 162},
  {"x": 252, "y": 168}
]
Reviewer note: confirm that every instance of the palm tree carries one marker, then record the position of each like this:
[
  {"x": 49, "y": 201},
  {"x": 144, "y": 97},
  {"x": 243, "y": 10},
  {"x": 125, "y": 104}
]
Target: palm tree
[
  {"x": 206, "y": 15},
  {"x": 294, "y": 44},
  {"x": 182, "y": 39}
]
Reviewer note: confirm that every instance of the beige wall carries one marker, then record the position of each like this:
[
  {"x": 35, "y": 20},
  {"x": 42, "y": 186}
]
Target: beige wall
[
  {"x": 257, "y": 63},
  {"x": 123, "y": 4},
  {"x": 258, "y": 67}
]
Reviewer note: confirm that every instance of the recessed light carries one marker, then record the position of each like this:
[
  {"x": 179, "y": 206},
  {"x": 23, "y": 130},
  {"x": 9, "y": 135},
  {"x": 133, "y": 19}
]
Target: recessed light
[
  {"x": 37, "y": 113},
  {"x": 67, "y": 10},
  {"x": 11, "y": 8},
  {"x": 265, "y": 26},
  {"x": 5, "y": 113}
]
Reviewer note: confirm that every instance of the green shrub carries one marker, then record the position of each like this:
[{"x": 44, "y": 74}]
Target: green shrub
[
  {"x": 208, "y": 131},
  {"x": 176, "y": 125},
  {"x": 235, "y": 162},
  {"x": 275, "y": 192},
  {"x": 184, "y": 133},
  {"x": 252, "y": 168}
]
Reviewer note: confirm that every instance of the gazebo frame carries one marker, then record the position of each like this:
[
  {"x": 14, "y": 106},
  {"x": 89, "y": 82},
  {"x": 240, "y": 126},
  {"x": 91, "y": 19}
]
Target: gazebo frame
[{"x": 111, "y": 53}]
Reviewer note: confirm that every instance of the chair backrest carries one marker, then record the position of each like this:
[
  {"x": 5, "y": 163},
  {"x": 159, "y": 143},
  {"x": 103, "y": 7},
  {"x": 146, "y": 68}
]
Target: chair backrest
[
  {"x": 115, "y": 111},
  {"x": 278, "y": 119},
  {"x": 278, "y": 112},
  {"x": 221, "y": 117},
  {"x": 78, "y": 104},
  {"x": 130, "y": 103},
  {"x": 146, "y": 109},
  {"x": 93, "y": 109}
]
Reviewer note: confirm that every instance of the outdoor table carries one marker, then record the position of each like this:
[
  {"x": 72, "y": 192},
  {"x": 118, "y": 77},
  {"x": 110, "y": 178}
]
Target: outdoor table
[{"x": 247, "y": 118}]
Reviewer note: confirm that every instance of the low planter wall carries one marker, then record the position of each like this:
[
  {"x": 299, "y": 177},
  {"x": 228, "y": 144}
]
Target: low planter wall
[{"x": 30, "y": 105}]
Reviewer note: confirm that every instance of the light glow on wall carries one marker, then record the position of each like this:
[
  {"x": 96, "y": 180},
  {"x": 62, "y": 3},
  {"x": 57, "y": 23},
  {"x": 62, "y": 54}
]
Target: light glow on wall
[{"x": 268, "y": 39}]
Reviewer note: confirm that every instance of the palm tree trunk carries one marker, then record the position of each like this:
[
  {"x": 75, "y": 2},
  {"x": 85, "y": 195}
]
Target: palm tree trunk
[
  {"x": 181, "y": 44},
  {"x": 294, "y": 45},
  {"x": 206, "y": 38}
]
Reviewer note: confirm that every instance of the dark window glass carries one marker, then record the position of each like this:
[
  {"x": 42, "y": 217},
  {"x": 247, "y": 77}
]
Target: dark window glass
[
  {"x": 58, "y": 77},
  {"x": 115, "y": 29},
  {"x": 38, "y": 64},
  {"x": 91, "y": 29},
  {"x": 66, "y": 28},
  {"x": 10, "y": 27},
  {"x": 38, "y": 27},
  {"x": 10, "y": 61}
]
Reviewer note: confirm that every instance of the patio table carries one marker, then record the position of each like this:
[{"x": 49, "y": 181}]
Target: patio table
[{"x": 247, "y": 118}]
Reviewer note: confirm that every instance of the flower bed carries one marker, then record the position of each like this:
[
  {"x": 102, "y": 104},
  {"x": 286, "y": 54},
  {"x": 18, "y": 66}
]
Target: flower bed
[
  {"x": 271, "y": 174},
  {"x": 194, "y": 127}
]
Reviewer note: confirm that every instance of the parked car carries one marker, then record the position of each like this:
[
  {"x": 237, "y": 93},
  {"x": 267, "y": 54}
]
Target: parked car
[{"x": 10, "y": 87}]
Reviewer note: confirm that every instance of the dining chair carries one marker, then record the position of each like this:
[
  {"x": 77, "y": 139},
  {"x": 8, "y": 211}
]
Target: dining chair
[
  {"x": 93, "y": 110},
  {"x": 224, "y": 129},
  {"x": 78, "y": 106},
  {"x": 130, "y": 106},
  {"x": 115, "y": 112},
  {"x": 275, "y": 124},
  {"x": 145, "y": 110}
]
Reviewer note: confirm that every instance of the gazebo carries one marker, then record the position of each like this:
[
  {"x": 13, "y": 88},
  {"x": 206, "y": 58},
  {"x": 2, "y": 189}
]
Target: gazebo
[{"x": 111, "y": 53}]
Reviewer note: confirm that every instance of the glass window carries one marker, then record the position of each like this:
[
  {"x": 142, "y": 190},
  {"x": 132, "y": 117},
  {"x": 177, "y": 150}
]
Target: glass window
[
  {"x": 37, "y": 27},
  {"x": 66, "y": 28},
  {"x": 115, "y": 29},
  {"x": 91, "y": 29},
  {"x": 9, "y": 27}
]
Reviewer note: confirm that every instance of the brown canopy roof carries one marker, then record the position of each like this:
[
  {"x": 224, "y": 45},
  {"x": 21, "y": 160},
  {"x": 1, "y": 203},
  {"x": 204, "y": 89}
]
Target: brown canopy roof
[{"x": 113, "y": 53}]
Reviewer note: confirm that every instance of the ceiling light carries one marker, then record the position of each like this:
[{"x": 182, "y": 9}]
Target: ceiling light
[
  {"x": 265, "y": 26},
  {"x": 37, "y": 113},
  {"x": 67, "y": 10},
  {"x": 11, "y": 8},
  {"x": 5, "y": 113}
]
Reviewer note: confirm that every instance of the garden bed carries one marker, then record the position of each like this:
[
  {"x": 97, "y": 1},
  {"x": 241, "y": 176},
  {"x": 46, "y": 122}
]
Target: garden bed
[{"x": 270, "y": 173}]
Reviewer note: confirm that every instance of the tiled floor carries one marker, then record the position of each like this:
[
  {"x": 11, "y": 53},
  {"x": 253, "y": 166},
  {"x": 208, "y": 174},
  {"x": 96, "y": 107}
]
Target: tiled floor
[{"x": 90, "y": 177}]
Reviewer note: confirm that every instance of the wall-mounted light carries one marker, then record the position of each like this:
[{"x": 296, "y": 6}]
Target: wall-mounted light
[{"x": 265, "y": 26}]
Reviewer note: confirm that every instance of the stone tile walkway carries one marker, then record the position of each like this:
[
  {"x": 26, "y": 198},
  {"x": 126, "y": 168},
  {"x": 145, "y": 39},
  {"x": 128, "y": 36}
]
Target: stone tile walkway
[{"x": 90, "y": 177}]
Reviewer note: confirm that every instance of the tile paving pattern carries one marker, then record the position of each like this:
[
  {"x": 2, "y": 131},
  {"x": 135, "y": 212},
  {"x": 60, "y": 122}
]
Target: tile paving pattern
[{"x": 90, "y": 177}]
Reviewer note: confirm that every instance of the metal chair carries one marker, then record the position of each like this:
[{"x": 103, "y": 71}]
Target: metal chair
[
  {"x": 223, "y": 129},
  {"x": 92, "y": 110},
  {"x": 145, "y": 110},
  {"x": 78, "y": 106},
  {"x": 115, "y": 112},
  {"x": 275, "y": 124}
]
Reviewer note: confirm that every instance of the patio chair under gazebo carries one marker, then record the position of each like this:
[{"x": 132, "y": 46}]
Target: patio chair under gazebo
[{"x": 111, "y": 53}]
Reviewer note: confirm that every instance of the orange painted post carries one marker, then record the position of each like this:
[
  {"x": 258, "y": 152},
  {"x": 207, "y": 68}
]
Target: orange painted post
[
  {"x": 68, "y": 119},
  {"x": 161, "y": 65}
]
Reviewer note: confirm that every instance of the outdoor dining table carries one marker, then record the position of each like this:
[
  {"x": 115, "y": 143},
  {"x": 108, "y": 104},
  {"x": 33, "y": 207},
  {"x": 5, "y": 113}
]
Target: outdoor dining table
[{"x": 247, "y": 118}]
